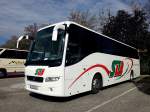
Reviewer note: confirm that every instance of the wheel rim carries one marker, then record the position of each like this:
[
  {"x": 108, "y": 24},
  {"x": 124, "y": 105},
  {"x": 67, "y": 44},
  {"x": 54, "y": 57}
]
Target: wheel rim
[{"x": 96, "y": 84}]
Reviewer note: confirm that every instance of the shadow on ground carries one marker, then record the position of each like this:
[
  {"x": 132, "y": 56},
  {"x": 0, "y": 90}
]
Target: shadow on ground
[
  {"x": 143, "y": 84},
  {"x": 58, "y": 99},
  {"x": 12, "y": 76}
]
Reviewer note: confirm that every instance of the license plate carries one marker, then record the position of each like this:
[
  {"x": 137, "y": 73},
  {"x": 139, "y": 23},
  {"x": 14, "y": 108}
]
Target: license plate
[{"x": 34, "y": 87}]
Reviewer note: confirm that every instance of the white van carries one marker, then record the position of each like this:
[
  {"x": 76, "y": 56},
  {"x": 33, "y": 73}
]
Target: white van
[{"x": 12, "y": 61}]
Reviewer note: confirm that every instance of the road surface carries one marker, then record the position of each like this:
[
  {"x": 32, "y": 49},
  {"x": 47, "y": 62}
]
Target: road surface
[{"x": 125, "y": 97}]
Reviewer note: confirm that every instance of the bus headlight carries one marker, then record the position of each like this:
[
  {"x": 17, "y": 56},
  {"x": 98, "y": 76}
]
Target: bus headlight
[{"x": 48, "y": 79}]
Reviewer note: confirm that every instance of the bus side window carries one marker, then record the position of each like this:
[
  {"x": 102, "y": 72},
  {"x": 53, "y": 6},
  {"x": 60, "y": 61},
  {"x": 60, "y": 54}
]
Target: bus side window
[
  {"x": 21, "y": 54},
  {"x": 73, "y": 54},
  {"x": 8, "y": 54},
  {"x": 73, "y": 49},
  {"x": 1, "y": 50},
  {"x": 107, "y": 45}
]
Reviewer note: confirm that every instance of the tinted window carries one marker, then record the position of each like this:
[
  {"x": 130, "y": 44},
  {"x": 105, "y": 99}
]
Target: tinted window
[
  {"x": 21, "y": 54},
  {"x": 83, "y": 42},
  {"x": 13, "y": 54},
  {"x": 112, "y": 47},
  {"x": 8, "y": 54},
  {"x": 73, "y": 48},
  {"x": 1, "y": 50},
  {"x": 88, "y": 43}
]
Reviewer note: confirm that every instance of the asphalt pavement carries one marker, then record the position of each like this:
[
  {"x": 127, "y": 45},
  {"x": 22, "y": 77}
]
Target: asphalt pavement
[{"x": 125, "y": 97}]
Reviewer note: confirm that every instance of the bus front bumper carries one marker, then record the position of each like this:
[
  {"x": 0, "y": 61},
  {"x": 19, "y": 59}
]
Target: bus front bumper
[{"x": 45, "y": 89}]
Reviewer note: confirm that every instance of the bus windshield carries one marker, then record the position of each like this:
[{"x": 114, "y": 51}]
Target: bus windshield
[{"x": 44, "y": 51}]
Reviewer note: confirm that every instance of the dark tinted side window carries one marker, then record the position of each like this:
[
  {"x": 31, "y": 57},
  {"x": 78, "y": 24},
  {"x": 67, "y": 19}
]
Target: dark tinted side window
[
  {"x": 1, "y": 50},
  {"x": 83, "y": 42},
  {"x": 107, "y": 45},
  {"x": 112, "y": 47},
  {"x": 8, "y": 54},
  {"x": 74, "y": 47},
  {"x": 88, "y": 43},
  {"x": 12, "y": 54},
  {"x": 21, "y": 54}
]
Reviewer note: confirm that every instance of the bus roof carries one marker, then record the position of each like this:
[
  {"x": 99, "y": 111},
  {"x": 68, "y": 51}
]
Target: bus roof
[{"x": 70, "y": 22}]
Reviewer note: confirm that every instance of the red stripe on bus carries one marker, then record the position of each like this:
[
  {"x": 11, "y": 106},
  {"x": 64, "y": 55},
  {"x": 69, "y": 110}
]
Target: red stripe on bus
[{"x": 94, "y": 66}]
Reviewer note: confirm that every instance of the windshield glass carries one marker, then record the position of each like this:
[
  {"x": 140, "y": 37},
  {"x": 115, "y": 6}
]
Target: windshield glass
[{"x": 44, "y": 51}]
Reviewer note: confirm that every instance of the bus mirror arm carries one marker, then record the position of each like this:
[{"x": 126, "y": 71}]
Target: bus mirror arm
[
  {"x": 54, "y": 36},
  {"x": 55, "y": 31},
  {"x": 23, "y": 37}
]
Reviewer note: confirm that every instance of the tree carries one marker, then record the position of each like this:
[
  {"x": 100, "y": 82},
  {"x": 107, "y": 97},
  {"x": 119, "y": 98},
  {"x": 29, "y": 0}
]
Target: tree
[
  {"x": 31, "y": 30},
  {"x": 139, "y": 28},
  {"x": 25, "y": 44},
  {"x": 117, "y": 26},
  {"x": 11, "y": 43},
  {"x": 103, "y": 17},
  {"x": 83, "y": 18},
  {"x": 129, "y": 28},
  {"x": 147, "y": 9}
]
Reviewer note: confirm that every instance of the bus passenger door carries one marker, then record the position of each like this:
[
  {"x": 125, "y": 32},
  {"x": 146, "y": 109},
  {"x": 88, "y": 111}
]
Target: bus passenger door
[{"x": 73, "y": 69}]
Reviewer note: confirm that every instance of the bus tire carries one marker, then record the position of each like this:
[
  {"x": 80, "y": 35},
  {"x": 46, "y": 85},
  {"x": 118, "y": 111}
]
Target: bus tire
[
  {"x": 96, "y": 84},
  {"x": 131, "y": 75},
  {"x": 4, "y": 72}
]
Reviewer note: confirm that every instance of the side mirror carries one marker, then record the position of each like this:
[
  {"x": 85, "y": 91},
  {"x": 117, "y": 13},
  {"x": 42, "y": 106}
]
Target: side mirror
[
  {"x": 23, "y": 37},
  {"x": 54, "y": 36},
  {"x": 55, "y": 31}
]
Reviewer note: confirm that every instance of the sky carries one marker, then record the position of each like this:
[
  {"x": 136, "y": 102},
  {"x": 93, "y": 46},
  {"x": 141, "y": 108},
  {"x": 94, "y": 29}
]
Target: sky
[{"x": 17, "y": 14}]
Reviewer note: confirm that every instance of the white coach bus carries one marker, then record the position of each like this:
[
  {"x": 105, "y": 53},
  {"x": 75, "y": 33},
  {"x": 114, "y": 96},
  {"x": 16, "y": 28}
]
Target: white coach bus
[
  {"x": 12, "y": 61},
  {"x": 67, "y": 59}
]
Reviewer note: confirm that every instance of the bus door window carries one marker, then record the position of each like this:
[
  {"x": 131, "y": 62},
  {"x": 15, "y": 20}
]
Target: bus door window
[
  {"x": 73, "y": 50},
  {"x": 73, "y": 53}
]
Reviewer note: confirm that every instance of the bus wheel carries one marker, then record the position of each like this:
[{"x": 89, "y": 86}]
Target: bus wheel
[
  {"x": 131, "y": 75},
  {"x": 96, "y": 84},
  {"x": 3, "y": 73}
]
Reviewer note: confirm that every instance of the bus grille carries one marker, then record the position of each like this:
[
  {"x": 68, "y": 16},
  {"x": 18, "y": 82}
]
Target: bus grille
[{"x": 35, "y": 79}]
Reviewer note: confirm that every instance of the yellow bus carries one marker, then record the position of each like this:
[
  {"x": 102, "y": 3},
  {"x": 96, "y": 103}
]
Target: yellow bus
[{"x": 12, "y": 61}]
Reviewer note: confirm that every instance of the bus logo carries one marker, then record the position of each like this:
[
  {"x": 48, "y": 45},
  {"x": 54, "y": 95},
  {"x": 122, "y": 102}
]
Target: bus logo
[
  {"x": 39, "y": 71},
  {"x": 117, "y": 68}
]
